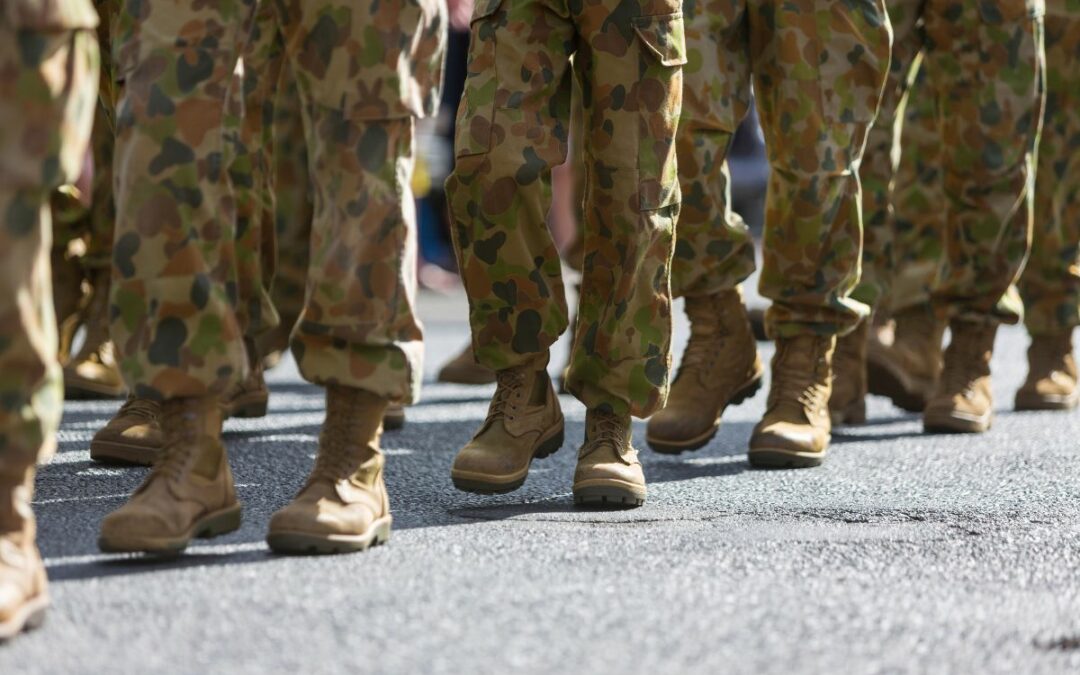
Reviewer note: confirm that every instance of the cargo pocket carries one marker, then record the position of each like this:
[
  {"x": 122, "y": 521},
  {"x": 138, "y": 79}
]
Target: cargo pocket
[
  {"x": 477, "y": 110},
  {"x": 659, "y": 99}
]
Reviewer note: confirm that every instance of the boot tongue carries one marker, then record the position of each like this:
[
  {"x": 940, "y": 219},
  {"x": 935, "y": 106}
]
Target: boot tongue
[{"x": 606, "y": 430}]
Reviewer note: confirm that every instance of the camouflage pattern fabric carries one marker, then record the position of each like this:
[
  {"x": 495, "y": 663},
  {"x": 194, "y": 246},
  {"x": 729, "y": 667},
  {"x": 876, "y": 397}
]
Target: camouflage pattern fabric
[
  {"x": 1050, "y": 286},
  {"x": 49, "y": 58},
  {"x": 918, "y": 204},
  {"x": 512, "y": 129},
  {"x": 364, "y": 71},
  {"x": 818, "y": 71},
  {"x": 984, "y": 72}
]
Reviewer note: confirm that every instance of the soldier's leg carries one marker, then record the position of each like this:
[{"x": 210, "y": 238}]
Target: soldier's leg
[
  {"x": 714, "y": 251},
  {"x": 621, "y": 355},
  {"x": 1050, "y": 284},
  {"x": 903, "y": 360},
  {"x": 511, "y": 131},
  {"x": 358, "y": 334},
  {"x": 48, "y": 96},
  {"x": 175, "y": 274},
  {"x": 815, "y": 122},
  {"x": 93, "y": 372},
  {"x": 982, "y": 58}
]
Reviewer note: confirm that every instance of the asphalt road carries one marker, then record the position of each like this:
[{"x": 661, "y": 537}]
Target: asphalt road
[{"x": 904, "y": 553}]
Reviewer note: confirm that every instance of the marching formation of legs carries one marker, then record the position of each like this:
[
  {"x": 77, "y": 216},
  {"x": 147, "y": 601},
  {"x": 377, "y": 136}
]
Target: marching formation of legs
[{"x": 194, "y": 188}]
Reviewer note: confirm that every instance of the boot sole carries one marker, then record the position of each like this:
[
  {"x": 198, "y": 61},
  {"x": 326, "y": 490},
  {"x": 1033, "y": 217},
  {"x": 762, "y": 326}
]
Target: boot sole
[
  {"x": 779, "y": 458},
  {"x": 209, "y": 526},
  {"x": 249, "y": 406},
  {"x": 76, "y": 387},
  {"x": 1036, "y": 402},
  {"x": 957, "y": 424},
  {"x": 28, "y": 617},
  {"x": 485, "y": 484},
  {"x": 670, "y": 447},
  {"x": 612, "y": 494},
  {"x": 111, "y": 452},
  {"x": 306, "y": 543},
  {"x": 882, "y": 381}
]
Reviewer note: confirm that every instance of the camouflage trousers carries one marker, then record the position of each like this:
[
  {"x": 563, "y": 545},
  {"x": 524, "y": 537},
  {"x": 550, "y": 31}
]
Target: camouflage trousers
[
  {"x": 1050, "y": 285},
  {"x": 47, "y": 97},
  {"x": 815, "y": 120},
  {"x": 984, "y": 74},
  {"x": 512, "y": 129},
  {"x": 182, "y": 295}
]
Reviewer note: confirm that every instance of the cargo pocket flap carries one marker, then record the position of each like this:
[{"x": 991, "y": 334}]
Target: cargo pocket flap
[{"x": 664, "y": 36}]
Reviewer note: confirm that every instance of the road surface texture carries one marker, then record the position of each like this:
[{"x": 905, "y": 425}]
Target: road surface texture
[{"x": 903, "y": 553}]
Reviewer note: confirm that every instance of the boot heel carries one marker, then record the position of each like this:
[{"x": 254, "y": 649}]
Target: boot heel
[
  {"x": 748, "y": 391},
  {"x": 221, "y": 523},
  {"x": 551, "y": 445}
]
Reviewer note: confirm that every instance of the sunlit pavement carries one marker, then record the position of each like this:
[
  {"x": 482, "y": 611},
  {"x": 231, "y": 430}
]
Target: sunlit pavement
[{"x": 903, "y": 553}]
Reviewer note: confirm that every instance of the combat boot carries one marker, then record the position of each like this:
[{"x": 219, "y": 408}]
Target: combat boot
[
  {"x": 524, "y": 422},
  {"x": 463, "y": 369},
  {"x": 188, "y": 494},
  {"x": 1051, "y": 380},
  {"x": 847, "y": 404},
  {"x": 343, "y": 506},
  {"x": 92, "y": 372},
  {"x": 720, "y": 367},
  {"x": 794, "y": 431},
  {"x": 907, "y": 370},
  {"x": 250, "y": 397},
  {"x": 608, "y": 472},
  {"x": 132, "y": 436},
  {"x": 962, "y": 401},
  {"x": 24, "y": 594}
]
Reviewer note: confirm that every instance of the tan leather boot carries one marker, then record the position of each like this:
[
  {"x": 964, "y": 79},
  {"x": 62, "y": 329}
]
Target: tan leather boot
[
  {"x": 24, "y": 594},
  {"x": 1052, "y": 374},
  {"x": 847, "y": 404},
  {"x": 795, "y": 430},
  {"x": 907, "y": 370},
  {"x": 463, "y": 369},
  {"x": 962, "y": 401},
  {"x": 608, "y": 471},
  {"x": 343, "y": 506},
  {"x": 394, "y": 417},
  {"x": 720, "y": 367},
  {"x": 188, "y": 494},
  {"x": 132, "y": 436},
  {"x": 92, "y": 372},
  {"x": 250, "y": 397},
  {"x": 524, "y": 422}
]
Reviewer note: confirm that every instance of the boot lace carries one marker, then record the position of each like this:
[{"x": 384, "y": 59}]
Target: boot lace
[
  {"x": 335, "y": 461},
  {"x": 509, "y": 383},
  {"x": 606, "y": 429},
  {"x": 181, "y": 439},
  {"x": 812, "y": 392}
]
